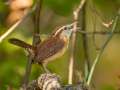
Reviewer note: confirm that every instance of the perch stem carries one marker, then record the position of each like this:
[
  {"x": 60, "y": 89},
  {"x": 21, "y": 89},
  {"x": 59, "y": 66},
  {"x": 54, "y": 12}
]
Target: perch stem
[
  {"x": 36, "y": 40},
  {"x": 71, "y": 62}
]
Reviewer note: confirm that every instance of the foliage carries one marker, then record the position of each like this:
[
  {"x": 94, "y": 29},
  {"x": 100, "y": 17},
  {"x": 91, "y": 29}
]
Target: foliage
[{"x": 55, "y": 13}]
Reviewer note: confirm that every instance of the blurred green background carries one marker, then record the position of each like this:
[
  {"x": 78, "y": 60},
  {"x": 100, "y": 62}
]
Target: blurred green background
[{"x": 54, "y": 14}]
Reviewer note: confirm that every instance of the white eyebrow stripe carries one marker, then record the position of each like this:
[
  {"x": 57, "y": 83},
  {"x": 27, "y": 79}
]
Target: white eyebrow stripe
[
  {"x": 59, "y": 29},
  {"x": 68, "y": 25}
]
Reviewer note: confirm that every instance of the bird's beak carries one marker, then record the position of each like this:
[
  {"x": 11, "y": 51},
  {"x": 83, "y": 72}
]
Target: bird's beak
[{"x": 72, "y": 25}]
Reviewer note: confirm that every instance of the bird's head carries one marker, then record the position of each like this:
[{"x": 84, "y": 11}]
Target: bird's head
[{"x": 65, "y": 30}]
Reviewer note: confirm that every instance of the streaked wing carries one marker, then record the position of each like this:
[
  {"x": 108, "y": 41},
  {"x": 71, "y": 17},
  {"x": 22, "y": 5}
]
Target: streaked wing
[{"x": 49, "y": 48}]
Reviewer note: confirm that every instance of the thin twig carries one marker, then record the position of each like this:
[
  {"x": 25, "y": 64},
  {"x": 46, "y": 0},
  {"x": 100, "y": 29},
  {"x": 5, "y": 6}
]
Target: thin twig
[
  {"x": 96, "y": 32},
  {"x": 85, "y": 43},
  {"x": 36, "y": 35},
  {"x": 102, "y": 20},
  {"x": 12, "y": 28},
  {"x": 27, "y": 72},
  {"x": 36, "y": 40},
  {"x": 101, "y": 51},
  {"x": 71, "y": 63}
]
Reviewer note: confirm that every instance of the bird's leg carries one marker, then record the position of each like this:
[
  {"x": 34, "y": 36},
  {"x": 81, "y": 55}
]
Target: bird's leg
[{"x": 44, "y": 66}]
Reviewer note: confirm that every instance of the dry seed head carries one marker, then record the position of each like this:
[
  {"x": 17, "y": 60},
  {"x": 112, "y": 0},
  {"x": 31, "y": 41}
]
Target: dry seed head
[{"x": 49, "y": 81}]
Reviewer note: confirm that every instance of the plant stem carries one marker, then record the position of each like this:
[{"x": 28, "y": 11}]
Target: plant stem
[
  {"x": 101, "y": 51},
  {"x": 36, "y": 40},
  {"x": 36, "y": 34},
  {"x": 73, "y": 41},
  {"x": 12, "y": 28}
]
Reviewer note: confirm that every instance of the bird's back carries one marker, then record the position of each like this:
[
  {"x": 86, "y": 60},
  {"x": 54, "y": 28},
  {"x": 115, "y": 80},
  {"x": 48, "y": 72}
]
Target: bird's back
[{"x": 50, "y": 49}]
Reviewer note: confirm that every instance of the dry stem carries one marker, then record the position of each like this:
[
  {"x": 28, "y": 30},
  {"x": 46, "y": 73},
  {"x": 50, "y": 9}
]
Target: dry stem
[
  {"x": 101, "y": 51},
  {"x": 71, "y": 63},
  {"x": 12, "y": 28},
  {"x": 36, "y": 40}
]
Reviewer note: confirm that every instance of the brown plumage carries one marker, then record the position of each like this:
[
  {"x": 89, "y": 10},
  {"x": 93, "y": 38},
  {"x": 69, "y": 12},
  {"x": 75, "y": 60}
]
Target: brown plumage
[
  {"x": 51, "y": 48},
  {"x": 20, "y": 43},
  {"x": 48, "y": 48},
  {"x": 46, "y": 51}
]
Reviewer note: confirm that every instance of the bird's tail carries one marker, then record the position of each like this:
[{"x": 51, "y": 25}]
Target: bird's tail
[{"x": 20, "y": 43}]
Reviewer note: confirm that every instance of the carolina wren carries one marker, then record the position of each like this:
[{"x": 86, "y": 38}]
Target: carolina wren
[{"x": 51, "y": 48}]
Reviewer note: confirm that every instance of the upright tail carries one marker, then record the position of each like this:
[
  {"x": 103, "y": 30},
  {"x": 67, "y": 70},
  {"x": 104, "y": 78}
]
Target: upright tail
[{"x": 20, "y": 43}]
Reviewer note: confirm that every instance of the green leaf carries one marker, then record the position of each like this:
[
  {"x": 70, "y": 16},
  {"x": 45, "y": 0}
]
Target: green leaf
[{"x": 61, "y": 7}]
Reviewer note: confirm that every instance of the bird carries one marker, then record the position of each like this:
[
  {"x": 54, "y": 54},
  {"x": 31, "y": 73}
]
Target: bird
[{"x": 51, "y": 48}]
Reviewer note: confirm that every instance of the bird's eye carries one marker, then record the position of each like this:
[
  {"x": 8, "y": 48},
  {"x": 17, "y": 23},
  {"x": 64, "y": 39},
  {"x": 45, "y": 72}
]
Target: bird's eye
[{"x": 65, "y": 28}]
